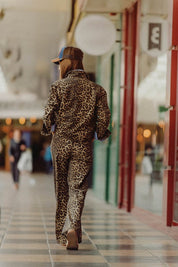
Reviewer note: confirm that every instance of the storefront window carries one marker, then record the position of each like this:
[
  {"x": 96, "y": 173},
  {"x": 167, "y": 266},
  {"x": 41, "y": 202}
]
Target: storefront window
[{"x": 150, "y": 132}]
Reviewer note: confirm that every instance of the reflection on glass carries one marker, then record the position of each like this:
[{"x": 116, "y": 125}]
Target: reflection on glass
[{"x": 150, "y": 134}]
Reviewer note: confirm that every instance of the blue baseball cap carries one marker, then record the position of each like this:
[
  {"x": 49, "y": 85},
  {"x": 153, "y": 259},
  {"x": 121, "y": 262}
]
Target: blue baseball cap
[{"x": 68, "y": 52}]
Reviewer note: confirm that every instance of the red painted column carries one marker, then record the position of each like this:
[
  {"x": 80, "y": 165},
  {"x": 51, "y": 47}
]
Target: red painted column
[
  {"x": 124, "y": 119},
  {"x": 171, "y": 143},
  {"x": 128, "y": 131}
]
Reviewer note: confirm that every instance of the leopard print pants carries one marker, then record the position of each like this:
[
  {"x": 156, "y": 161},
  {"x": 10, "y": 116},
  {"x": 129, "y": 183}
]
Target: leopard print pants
[{"x": 72, "y": 162}]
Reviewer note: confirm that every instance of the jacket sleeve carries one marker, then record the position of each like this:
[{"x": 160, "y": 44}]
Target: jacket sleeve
[
  {"x": 52, "y": 106},
  {"x": 11, "y": 152},
  {"x": 103, "y": 115}
]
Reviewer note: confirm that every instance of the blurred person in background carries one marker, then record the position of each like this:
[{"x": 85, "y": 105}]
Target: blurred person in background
[
  {"x": 148, "y": 162},
  {"x": 17, "y": 146},
  {"x": 76, "y": 109},
  {"x": 1, "y": 154},
  {"x": 46, "y": 154}
]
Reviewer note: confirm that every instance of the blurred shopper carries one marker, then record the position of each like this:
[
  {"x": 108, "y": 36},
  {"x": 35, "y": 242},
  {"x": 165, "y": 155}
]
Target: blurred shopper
[
  {"x": 17, "y": 146},
  {"x": 147, "y": 162},
  {"x": 1, "y": 154},
  {"x": 47, "y": 157},
  {"x": 76, "y": 109}
]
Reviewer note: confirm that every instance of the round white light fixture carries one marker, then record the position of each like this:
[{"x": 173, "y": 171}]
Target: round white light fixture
[{"x": 95, "y": 35}]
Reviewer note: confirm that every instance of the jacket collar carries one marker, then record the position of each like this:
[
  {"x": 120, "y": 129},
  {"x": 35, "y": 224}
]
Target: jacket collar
[{"x": 76, "y": 73}]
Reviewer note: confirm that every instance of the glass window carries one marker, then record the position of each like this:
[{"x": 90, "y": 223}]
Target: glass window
[{"x": 150, "y": 132}]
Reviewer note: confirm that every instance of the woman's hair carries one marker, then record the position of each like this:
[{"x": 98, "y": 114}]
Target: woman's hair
[
  {"x": 69, "y": 65},
  {"x": 73, "y": 53}
]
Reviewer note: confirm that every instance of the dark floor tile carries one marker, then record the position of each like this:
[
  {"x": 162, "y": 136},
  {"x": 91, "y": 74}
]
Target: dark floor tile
[
  {"x": 137, "y": 230},
  {"x": 74, "y": 252},
  {"x": 25, "y": 241},
  {"x": 170, "y": 259},
  {"x": 1, "y": 239},
  {"x": 105, "y": 217},
  {"x": 120, "y": 247},
  {"x": 132, "y": 259},
  {"x": 80, "y": 264},
  {"x": 104, "y": 224},
  {"x": 50, "y": 241},
  {"x": 159, "y": 247},
  {"x": 99, "y": 223},
  {"x": 157, "y": 237},
  {"x": 26, "y": 220},
  {"x": 26, "y": 216},
  {"x": 26, "y": 232},
  {"x": 26, "y": 225},
  {"x": 24, "y": 251},
  {"x": 53, "y": 233},
  {"x": 86, "y": 241},
  {"x": 102, "y": 229},
  {"x": 25, "y": 264},
  {"x": 3, "y": 228},
  {"x": 109, "y": 237},
  {"x": 105, "y": 213},
  {"x": 104, "y": 220}
]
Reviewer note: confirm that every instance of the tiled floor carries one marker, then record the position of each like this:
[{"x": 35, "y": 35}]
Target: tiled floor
[
  {"x": 110, "y": 237},
  {"x": 146, "y": 196}
]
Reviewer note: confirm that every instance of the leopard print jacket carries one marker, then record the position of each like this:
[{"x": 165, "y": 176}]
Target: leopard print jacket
[{"x": 78, "y": 107}]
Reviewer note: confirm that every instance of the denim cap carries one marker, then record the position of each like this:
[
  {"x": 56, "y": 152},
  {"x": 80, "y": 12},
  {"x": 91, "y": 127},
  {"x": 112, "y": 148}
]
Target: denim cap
[{"x": 68, "y": 52}]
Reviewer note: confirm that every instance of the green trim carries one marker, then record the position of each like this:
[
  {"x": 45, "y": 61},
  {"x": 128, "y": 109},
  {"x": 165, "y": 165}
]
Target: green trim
[
  {"x": 98, "y": 79},
  {"x": 110, "y": 126},
  {"x": 98, "y": 71},
  {"x": 163, "y": 109},
  {"x": 118, "y": 125},
  {"x": 94, "y": 167}
]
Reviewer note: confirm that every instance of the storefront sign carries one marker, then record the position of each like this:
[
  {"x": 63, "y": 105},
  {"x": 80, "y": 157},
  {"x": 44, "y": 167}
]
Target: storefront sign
[{"x": 153, "y": 38}]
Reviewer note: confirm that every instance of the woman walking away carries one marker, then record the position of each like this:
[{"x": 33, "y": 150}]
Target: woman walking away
[
  {"x": 17, "y": 146},
  {"x": 76, "y": 109}
]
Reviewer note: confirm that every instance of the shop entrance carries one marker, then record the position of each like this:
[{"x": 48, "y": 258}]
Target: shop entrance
[{"x": 151, "y": 108}]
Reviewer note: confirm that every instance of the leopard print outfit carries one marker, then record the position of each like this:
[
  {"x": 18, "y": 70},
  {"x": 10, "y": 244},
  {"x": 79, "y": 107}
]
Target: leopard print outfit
[{"x": 78, "y": 108}]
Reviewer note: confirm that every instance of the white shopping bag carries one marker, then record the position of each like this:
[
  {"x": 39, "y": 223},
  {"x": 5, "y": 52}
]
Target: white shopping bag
[
  {"x": 147, "y": 167},
  {"x": 25, "y": 161}
]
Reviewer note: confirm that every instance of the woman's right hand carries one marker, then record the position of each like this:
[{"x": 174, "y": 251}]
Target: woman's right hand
[{"x": 12, "y": 159}]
